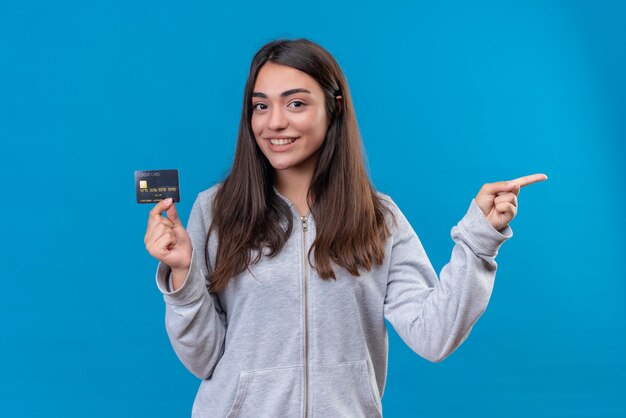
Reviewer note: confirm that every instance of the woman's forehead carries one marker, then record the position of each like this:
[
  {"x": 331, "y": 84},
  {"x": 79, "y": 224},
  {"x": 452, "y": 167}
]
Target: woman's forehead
[{"x": 274, "y": 79}]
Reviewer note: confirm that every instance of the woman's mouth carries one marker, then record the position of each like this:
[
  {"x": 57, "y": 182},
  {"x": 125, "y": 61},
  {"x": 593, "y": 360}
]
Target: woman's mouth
[
  {"x": 282, "y": 141},
  {"x": 282, "y": 144}
]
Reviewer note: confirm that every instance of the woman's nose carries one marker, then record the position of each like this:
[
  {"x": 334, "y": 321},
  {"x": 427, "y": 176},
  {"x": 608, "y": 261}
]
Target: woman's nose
[{"x": 277, "y": 120}]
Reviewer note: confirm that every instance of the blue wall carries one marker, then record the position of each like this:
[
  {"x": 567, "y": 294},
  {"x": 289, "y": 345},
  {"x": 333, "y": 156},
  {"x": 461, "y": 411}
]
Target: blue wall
[{"x": 448, "y": 97}]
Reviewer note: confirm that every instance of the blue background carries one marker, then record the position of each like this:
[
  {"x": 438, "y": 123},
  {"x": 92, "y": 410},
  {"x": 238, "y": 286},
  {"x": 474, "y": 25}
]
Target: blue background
[{"x": 448, "y": 97}]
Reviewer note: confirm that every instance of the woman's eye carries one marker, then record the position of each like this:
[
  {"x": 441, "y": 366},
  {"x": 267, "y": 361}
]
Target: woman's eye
[
  {"x": 297, "y": 104},
  {"x": 259, "y": 106}
]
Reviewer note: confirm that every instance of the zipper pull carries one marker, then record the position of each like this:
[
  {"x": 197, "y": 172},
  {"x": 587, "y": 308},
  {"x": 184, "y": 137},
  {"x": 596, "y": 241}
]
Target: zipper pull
[{"x": 304, "y": 222}]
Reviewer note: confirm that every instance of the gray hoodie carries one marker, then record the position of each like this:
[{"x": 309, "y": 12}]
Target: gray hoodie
[{"x": 281, "y": 342}]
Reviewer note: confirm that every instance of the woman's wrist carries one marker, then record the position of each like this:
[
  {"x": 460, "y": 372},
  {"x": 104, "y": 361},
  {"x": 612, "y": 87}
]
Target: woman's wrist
[{"x": 178, "y": 277}]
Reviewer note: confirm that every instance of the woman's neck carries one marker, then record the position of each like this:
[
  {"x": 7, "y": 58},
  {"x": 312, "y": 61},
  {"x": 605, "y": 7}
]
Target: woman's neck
[{"x": 294, "y": 185}]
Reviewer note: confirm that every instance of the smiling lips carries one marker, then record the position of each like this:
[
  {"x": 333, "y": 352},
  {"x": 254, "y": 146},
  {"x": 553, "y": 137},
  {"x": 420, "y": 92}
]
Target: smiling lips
[{"x": 281, "y": 141}]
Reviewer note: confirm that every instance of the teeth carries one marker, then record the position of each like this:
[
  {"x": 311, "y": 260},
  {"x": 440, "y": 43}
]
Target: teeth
[{"x": 282, "y": 141}]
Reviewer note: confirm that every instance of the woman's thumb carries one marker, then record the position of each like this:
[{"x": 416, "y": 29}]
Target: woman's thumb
[{"x": 172, "y": 215}]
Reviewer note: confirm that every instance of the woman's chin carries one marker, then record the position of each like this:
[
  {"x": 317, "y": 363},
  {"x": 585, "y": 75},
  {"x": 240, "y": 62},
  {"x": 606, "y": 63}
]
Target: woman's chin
[{"x": 281, "y": 165}]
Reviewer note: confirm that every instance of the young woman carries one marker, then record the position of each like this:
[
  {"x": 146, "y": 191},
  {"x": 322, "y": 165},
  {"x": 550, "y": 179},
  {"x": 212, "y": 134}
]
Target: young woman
[{"x": 277, "y": 291}]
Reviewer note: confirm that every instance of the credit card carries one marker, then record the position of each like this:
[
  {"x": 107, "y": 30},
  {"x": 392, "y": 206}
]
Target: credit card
[{"x": 155, "y": 185}]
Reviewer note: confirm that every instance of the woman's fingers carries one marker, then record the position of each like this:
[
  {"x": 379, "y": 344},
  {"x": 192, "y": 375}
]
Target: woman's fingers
[
  {"x": 513, "y": 186},
  {"x": 156, "y": 224},
  {"x": 155, "y": 216},
  {"x": 156, "y": 233},
  {"x": 506, "y": 208},
  {"x": 157, "y": 210},
  {"x": 166, "y": 239},
  {"x": 526, "y": 180},
  {"x": 155, "y": 228},
  {"x": 506, "y": 204},
  {"x": 172, "y": 214},
  {"x": 498, "y": 201},
  {"x": 506, "y": 197},
  {"x": 163, "y": 244},
  {"x": 499, "y": 187},
  {"x": 161, "y": 206}
]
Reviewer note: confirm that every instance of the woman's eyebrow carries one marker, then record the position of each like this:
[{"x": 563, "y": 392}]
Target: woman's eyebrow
[{"x": 283, "y": 94}]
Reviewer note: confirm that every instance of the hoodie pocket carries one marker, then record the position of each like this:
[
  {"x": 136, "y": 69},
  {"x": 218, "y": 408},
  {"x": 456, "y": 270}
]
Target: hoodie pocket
[
  {"x": 344, "y": 390},
  {"x": 274, "y": 392}
]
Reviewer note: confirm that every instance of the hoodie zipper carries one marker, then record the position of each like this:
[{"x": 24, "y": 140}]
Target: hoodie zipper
[{"x": 306, "y": 320}]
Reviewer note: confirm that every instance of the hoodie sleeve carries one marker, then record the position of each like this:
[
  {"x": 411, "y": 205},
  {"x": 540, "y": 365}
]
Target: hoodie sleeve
[
  {"x": 434, "y": 316},
  {"x": 194, "y": 320}
]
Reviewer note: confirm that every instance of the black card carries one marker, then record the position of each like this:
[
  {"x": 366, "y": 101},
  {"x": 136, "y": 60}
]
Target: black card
[{"x": 155, "y": 185}]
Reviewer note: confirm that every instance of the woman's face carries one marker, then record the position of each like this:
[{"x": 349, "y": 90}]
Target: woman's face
[{"x": 288, "y": 117}]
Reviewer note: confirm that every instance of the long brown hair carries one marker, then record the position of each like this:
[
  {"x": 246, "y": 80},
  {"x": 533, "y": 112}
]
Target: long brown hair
[{"x": 248, "y": 215}]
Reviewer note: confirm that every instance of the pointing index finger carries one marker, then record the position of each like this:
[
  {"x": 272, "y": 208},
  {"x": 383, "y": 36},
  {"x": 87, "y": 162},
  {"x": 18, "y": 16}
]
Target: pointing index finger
[{"x": 526, "y": 180}]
